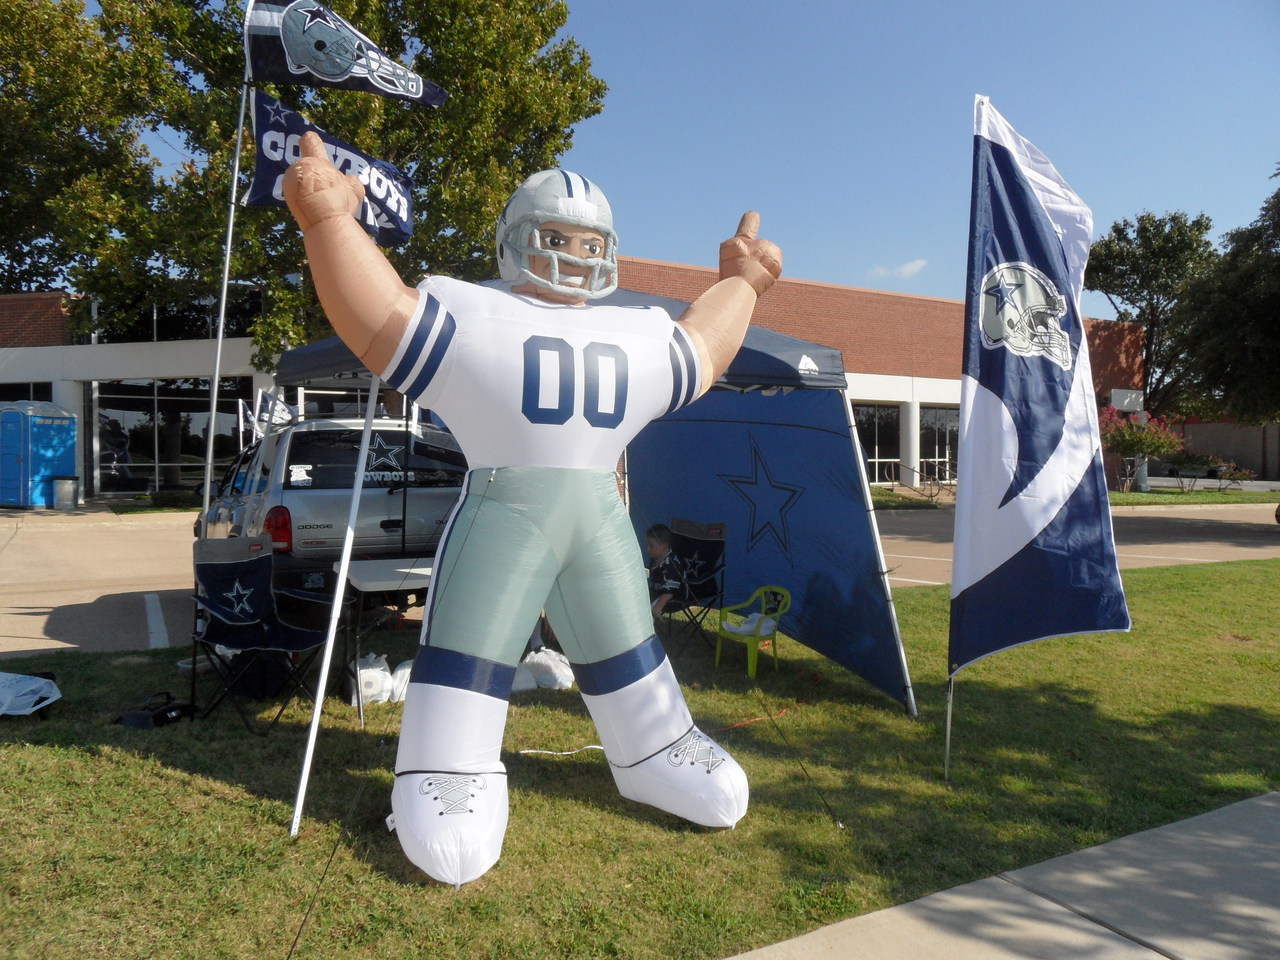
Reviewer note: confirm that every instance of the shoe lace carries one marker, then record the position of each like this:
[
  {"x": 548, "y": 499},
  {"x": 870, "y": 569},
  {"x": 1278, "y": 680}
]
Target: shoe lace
[
  {"x": 453, "y": 790},
  {"x": 695, "y": 749}
]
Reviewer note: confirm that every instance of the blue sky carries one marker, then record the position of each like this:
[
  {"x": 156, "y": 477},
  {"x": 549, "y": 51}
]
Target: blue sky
[{"x": 849, "y": 125}]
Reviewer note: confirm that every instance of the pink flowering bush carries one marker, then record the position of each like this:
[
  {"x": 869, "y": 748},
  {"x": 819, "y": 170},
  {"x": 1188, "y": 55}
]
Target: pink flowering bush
[{"x": 1134, "y": 439}]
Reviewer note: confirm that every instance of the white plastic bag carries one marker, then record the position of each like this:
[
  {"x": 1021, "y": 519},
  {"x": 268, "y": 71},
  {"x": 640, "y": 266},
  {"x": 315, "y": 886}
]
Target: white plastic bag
[
  {"x": 375, "y": 679},
  {"x": 21, "y": 695},
  {"x": 400, "y": 681},
  {"x": 546, "y": 668}
]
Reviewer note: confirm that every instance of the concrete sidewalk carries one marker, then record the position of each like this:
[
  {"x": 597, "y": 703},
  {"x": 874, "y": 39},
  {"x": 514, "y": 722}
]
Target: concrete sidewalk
[{"x": 1207, "y": 888}]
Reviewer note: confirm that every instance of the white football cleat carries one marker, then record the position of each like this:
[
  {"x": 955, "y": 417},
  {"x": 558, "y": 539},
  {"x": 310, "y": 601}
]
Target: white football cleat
[
  {"x": 693, "y": 778},
  {"x": 450, "y": 825},
  {"x": 449, "y": 802}
]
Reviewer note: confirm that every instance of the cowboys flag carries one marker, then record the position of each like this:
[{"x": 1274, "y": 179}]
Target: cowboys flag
[
  {"x": 306, "y": 43},
  {"x": 1034, "y": 552},
  {"x": 386, "y": 211}
]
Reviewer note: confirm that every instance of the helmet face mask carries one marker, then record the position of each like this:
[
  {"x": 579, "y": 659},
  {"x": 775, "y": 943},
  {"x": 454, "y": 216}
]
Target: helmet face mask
[{"x": 560, "y": 197}]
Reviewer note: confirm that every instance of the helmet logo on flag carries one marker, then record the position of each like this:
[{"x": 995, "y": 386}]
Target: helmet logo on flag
[
  {"x": 318, "y": 41},
  {"x": 1022, "y": 311}
]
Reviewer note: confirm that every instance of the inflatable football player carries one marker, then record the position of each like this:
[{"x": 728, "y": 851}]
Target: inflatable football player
[{"x": 543, "y": 390}]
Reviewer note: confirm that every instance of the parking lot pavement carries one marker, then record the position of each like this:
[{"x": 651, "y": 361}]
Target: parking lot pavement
[
  {"x": 917, "y": 543},
  {"x": 88, "y": 579}
]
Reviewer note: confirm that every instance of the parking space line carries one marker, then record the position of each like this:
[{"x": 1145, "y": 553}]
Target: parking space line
[{"x": 157, "y": 632}]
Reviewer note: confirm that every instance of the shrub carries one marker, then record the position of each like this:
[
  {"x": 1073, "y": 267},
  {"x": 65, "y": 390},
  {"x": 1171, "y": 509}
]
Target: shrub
[
  {"x": 178, "y": 497},
  {"x": 1134, "y": 439}
]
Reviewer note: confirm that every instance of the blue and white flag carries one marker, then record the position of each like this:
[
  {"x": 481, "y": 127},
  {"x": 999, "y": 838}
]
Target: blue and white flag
[
  {"x": 1034, "y": 552},
  {"x": 387, "y": 210},
  {"x": 305, "y": 43}
]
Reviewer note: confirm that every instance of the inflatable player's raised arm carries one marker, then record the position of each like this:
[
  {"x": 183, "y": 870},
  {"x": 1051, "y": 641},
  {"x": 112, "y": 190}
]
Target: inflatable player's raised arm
[{"x": 369, "y": 305}]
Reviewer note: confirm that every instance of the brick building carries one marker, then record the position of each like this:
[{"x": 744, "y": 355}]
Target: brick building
[
  {"x": 149, "y": 407},
  {"x": 902, "y": 356}
]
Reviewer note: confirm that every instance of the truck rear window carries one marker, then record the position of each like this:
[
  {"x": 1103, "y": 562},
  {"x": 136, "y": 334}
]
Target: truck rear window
[{"x": 325, "y": 460}]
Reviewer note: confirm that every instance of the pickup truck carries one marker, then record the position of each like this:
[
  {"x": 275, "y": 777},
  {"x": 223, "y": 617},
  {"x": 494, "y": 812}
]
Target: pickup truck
[{"x": 296, "y": 482}]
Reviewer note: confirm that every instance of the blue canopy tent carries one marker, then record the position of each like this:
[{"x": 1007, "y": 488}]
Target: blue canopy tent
[{"x": 772, "y": 452}]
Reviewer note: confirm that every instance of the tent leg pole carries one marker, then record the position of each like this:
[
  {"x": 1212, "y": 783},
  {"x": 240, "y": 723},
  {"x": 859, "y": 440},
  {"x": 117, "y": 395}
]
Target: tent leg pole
[{"x": 946, "y": 756}]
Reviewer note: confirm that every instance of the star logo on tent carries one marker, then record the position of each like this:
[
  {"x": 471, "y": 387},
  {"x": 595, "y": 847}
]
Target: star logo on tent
[
  {"x": 770, "y": 501},
  {"x": 238, "y": 597},
  {"x": 381, "y": 452}
]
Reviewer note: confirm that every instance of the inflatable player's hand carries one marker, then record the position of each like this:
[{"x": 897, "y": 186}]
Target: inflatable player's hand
[
  {"x": 314, "y": 189},
  {"x": 744, "y": 255}
]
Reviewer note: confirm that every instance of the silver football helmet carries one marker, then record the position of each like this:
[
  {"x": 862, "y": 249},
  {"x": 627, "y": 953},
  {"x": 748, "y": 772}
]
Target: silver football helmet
[
  {"x": 316, "y": 40},
  {"x": 1022, "y": 311},
  {"x": 561, "y": 197}
]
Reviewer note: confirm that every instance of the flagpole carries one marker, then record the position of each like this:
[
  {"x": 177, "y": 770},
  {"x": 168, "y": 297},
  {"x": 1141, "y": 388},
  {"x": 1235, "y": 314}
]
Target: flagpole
[
  {"x": 222, "y": 310},
  {"x": 335, "y": 613},
  {"x": 946, "y": 756}
]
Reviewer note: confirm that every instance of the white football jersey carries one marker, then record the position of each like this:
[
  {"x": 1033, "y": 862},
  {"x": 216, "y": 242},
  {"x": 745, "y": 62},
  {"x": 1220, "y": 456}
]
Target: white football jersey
[{"x": 523, "y": 382}]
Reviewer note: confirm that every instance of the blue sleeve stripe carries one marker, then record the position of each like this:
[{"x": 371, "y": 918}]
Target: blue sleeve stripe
[
  {"x": 438, "y": 349},
  {"x": 411, "y": 346},
  {"x": 449, "y": 668},
  {"x": 685, "y": 373},
  {"x": 424, "y": 350},
  {"x": 622, "y": 670}
]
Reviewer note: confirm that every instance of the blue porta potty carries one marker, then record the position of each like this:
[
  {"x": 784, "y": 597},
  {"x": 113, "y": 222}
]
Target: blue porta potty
[{"x": 37, "y": 444}]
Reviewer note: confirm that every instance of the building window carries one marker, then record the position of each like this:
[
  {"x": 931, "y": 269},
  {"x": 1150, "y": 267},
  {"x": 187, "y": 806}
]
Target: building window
[
  {"x": 879, "y": 434},
  {"x": 13, "y": 392},
  {"x": 151, "y": 433},
  {"x": 939, "y": 440}
]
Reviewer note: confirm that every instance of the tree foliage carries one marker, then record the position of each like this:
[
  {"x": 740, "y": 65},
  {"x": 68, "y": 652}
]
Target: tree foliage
[
  {"x": 1144, "y": 266},
  {"x": 1233, "y": 320},
  {"x": 84, "y": 99}
]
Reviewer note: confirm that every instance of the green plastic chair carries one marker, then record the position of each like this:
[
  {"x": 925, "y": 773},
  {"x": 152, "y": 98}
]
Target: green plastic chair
[{"x": 754, "y": 622}]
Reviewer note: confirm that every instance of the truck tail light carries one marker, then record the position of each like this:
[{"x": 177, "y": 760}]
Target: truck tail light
[{"x": 280, "y": 525}]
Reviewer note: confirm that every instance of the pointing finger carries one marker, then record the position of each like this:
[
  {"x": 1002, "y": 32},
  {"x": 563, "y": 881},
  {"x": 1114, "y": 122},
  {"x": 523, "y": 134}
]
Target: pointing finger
[
  {"x": 749, "y": 225},
  {"x": 312, "y": 146}
]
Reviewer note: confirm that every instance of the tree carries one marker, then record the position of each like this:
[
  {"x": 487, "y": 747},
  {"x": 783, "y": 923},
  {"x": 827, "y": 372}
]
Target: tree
[
  {"x": 122, "y": 229},
  {"x": 1144, "y": 266},
  {"x": 1135, "y": 439},
  {"x": 67, "y": 122},
  {"x": 1233, "y": 320}
]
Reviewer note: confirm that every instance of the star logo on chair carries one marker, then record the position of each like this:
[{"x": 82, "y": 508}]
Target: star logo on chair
[
  {"x": 770, "y": 501},
  {"x": 381, "y": 452},
  {"x": 238, "y": 597}
]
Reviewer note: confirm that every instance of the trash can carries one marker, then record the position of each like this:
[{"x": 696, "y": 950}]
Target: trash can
[{"x": 66, "y": 493}]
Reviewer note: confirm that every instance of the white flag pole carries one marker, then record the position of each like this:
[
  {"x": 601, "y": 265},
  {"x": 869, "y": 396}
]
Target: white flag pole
[
  {"x": 222, "y": 310},
  {"x": 335, "y": 613}
]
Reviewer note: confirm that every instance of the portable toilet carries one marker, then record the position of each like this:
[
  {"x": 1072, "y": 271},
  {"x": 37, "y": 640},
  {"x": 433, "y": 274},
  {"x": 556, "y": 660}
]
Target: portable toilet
[{"x": 37, "y": 446}]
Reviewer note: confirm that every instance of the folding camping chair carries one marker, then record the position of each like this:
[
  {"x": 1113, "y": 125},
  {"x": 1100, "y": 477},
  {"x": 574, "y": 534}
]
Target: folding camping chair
[
  {"x": 239, "y": 627},
  {"x": 699, "y": 550}
]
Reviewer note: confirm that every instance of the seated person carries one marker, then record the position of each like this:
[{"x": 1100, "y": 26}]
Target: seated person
[{"x": 665, "y": 581}]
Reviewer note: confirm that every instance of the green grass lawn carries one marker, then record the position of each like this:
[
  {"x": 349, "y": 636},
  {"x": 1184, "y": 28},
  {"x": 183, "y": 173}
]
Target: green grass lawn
[{"x": 174, "y": 842}]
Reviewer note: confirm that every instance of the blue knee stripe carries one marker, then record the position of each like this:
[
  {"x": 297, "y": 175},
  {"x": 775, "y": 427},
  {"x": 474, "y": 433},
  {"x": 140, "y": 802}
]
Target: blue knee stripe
[
  {"x": 448, "y": 668},
  {"x": 624, "y": 669}
]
